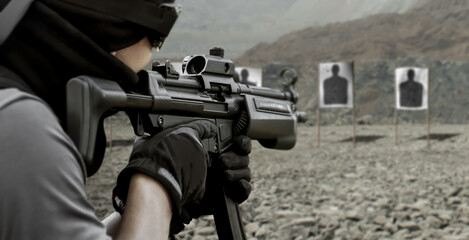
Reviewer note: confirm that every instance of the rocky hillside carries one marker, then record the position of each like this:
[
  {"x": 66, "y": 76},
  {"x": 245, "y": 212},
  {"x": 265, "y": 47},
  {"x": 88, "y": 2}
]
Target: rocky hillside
[
  {"x": 432, "y": 34},
  {"x": 306, "y": 13},
  {"x": 434, "y": 30}
]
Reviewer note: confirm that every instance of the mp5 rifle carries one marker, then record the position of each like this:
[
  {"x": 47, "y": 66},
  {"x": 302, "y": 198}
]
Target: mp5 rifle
[{"x": 205, "y": 90}]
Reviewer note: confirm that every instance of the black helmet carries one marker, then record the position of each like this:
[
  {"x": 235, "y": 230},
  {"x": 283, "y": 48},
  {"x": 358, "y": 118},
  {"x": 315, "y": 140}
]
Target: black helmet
[
  {"x": 108, "y": 24},
  {"x": 156, "y": 17}
]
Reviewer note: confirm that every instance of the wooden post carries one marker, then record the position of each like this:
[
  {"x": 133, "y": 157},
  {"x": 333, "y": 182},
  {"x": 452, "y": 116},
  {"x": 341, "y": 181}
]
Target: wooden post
[
  {"x": 395, "y": 125},
  {"x": 353, "y": 105},
  {"x": 428, "y": 109},
  {"x": 395, "y": 108},
  {"x": 110, "y": 133},
  {"x": 318, "y": 124}
]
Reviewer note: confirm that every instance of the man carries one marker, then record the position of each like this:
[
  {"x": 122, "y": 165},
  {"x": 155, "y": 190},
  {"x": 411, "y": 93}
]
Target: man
[{"x": 42, "y": 174}]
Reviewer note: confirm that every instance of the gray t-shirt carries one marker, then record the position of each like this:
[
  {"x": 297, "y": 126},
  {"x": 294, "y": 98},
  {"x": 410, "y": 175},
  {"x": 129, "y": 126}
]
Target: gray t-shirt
[{"x": 42, "y": 185}]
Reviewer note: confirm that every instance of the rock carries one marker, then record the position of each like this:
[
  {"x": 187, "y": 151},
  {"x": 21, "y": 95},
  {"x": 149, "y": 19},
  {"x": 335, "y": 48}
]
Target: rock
[
  {"x": 454, "y": 200},
  {"x": 433, "y": 222},
  {"x": 410, "y": 178},
  {"x": 409, "y": 225},
  {"x": 285, "y": 206},
  {"x": 205, "y": 231},
  {"x": 420, "y": 205},
  {"x": 252, "y": 227},
  {"x": 262, "y": 231},
  {"x": 401, "y": 234},
  {"x": 365, "y": 227},
  {"x": 464, "y": 220},
  {"x": 328, "y": 222},
  {"x": 381, "y": 220},
  {"x": 349, "y": 175},
  {"x": 464, "y": 192},
  {"x": 402, "y": 207},
  {"x": 418, "y": 215},
  {"x": 453, "y": 192},
  {"x": 380, "y": 235},
  {"x": 342, "y": 233},
  {"x": 307, "y": 221},
  {"x": 263, "y": 217},
  {"x": 198, "y": 237},
  {"x": 402, "y": 215},
  {"x": 289, "y": 214},
  {"x": 202, "y": 223},
  {"x": 390, "y": 227},
  {"x": 382, "y": 202},
  {"x": 463, "y": 209},
  {"x": 433, "y": 234},
  {"x": 442, "y": 214},
  {"x": 354, "y": 215}
]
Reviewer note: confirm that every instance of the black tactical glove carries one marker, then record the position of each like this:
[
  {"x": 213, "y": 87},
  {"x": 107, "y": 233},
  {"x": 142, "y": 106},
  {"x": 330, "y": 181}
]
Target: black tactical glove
[
  {"x": 175, "y": 157},
  {"x": 237, "y": 174},
  {"x": 229, "y": 170}
]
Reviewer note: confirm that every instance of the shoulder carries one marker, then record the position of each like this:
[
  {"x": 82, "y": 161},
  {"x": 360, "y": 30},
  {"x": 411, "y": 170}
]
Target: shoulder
[
  {"x": 40, "y": 173},
  {"x": 29, "y": 125}
]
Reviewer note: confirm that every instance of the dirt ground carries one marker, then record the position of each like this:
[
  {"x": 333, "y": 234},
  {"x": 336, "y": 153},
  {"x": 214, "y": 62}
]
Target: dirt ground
[{"x": 373, "y": 190}]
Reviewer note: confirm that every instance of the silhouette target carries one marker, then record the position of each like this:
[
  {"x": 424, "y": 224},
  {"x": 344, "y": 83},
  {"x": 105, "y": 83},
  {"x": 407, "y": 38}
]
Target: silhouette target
[
  {"x": 249, "y": 76},
  {"x": 335, "y": 88},
  {"x": 336, "y": 85},
  {"x": 411, "y": 91},
  {"x": 411, "y": 88}
]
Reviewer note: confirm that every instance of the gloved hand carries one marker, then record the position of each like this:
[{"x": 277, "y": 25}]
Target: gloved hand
[
  {"x": 231, "y": 169},
  {"x": 235, "y": 164},
  {"x": 175, "y": 157}
]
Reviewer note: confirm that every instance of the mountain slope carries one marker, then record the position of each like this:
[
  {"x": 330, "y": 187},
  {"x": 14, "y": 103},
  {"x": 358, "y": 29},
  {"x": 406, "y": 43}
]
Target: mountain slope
[
  {"x": 306, "y": 13},
  {"x": 376, "y": 37},
  {"x": 431, "y": 34}
]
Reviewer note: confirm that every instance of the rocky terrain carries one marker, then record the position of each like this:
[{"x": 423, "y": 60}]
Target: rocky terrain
[{"x": 375, "y": 190}]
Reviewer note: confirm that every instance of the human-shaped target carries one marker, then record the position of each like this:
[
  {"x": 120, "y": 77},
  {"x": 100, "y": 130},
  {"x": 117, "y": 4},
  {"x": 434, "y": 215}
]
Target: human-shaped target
[
  {"x": 412, "y": 88},
  {"x": 336, "y": 85},
  {"x": 249, "y": 76}
]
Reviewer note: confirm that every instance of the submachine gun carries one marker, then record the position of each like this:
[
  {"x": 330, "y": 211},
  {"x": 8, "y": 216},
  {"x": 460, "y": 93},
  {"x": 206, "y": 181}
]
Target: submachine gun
[{"x": 165, "y": 98}]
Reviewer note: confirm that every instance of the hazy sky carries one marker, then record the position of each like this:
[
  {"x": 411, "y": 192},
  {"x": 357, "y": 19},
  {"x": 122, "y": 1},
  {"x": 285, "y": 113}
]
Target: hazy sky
[{"x": 241, "y": 24}]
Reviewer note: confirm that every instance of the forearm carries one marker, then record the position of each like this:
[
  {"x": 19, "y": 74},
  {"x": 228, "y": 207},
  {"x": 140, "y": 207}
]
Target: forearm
[{"x": 147, "y": 213}]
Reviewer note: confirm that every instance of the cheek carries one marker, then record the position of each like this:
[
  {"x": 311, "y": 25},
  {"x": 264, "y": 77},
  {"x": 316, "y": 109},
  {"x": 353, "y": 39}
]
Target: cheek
[
  {"x": 148, "y": 54},
  {"x": 136, "y": 56},
  {"x": 145, "y": 53}
]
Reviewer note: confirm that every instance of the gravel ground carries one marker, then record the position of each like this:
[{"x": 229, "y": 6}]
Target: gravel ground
[{"x": 375, "y": 190}]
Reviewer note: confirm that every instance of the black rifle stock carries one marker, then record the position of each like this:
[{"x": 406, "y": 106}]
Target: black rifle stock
[{"x": 164, "y": 99}]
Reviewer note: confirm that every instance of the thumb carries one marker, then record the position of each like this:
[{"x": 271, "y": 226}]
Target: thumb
[{"x": 205, "y": 128}]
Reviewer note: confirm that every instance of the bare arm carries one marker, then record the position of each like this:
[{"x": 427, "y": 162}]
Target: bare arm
[{"x": 148, "y": 210}]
